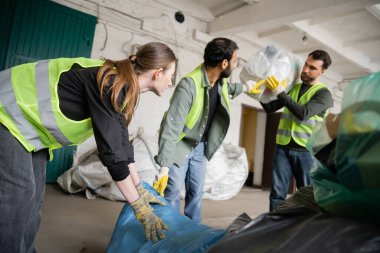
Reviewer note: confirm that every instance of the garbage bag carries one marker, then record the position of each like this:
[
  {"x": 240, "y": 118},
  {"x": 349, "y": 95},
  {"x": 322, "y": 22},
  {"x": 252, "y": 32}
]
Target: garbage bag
[
  {"x": 226, "y": 173},
  {"x": 184, "y": 235},
  {"x": 352, "y": 188},
  {"x": 271, "y": 61},
  {"x": 299, "y": 231}
]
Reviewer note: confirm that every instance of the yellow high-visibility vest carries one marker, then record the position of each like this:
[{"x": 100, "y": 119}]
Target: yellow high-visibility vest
[
  {"x": 290, "y": 126},
  {"x": 196, "y": 108},
  {"x": 29, "y": 104}
]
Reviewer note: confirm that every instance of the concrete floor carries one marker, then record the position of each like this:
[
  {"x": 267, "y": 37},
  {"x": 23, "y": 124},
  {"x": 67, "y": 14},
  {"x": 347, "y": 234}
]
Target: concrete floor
[{"x": 72, "y": 223}]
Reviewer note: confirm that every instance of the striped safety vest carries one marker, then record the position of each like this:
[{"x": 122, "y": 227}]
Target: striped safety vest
[
  {"x": 291, "y": 126},
  {"x": 196, "y": 108},
  {"x": 29, "y": 104}
]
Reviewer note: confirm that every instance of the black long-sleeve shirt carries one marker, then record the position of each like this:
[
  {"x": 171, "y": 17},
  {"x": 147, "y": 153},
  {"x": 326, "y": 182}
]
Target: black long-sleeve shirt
[
  {"x": 79, "y": 98},
  {"x": 318, "y": 104},
  {"x": 213, "y": 104}
]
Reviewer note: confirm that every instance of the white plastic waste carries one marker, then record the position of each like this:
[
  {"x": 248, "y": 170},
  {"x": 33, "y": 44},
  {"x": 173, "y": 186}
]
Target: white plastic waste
[
  {"x": 226, "y": 172},
  {"x": 271, "y": 61}
]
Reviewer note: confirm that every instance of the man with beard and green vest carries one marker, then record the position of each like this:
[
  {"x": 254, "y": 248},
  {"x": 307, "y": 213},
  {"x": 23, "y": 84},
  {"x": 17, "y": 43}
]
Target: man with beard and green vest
[
  {"x": 305, "y": 106},
  {"x": 59, "y": 102},
  {"x": 195, "y": 126}
]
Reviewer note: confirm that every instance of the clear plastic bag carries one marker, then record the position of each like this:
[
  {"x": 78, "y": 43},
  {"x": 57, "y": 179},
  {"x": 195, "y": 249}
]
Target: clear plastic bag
[{"x": 271, "y": 61}]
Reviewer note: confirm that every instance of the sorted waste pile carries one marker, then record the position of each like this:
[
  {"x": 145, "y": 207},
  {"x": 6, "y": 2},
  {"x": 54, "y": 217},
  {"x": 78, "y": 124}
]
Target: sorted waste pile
[{"x": 226, "y": 172}]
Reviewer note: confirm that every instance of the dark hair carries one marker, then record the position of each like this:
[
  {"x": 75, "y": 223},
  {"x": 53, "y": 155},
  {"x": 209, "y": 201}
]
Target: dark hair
[
  {"x": 321, "y": 55},
  {"x": 217, "y": 50},
  {"x": 118, "y": 74}
]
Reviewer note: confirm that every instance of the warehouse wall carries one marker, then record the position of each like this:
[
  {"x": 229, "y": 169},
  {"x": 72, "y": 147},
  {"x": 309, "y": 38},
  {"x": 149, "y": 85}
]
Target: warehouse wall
[{"x": 123, "y": 24}]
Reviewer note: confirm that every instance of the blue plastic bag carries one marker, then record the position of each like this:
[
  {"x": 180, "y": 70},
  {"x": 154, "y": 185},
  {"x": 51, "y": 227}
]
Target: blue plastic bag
[{"x": 184, "y": 234}]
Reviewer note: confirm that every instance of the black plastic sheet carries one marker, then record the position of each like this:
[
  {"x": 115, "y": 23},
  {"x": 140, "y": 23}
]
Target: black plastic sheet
[{"x": 301, "y": 230}]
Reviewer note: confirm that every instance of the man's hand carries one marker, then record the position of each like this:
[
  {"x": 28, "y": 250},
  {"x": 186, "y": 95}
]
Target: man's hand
[
  {"x": 147, "y": 196},
  {"x": 153, "y": 225},
  {"x": 161, "y": 180},
  {"x": 274, "y": 85}
]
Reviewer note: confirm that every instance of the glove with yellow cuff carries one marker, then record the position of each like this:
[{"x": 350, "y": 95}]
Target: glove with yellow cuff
[
  {"x": 161, "y": 180},
  {"x": 147, "y": 196},
  {"x": 274, "y": 85},
  {"x": 153, "y": 225}
]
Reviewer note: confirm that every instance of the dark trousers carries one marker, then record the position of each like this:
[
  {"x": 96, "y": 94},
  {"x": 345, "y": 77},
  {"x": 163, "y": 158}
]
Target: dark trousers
[
  {"x": 22, "y": 187},
  {"x": 288, "y": 163}
]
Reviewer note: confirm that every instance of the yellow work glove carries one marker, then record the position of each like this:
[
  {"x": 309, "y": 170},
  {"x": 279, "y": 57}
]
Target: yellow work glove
[
  {"x": 253, "y": 87},
  {"x": 153, "y": 225},
  {"x": 161, "y": 180},
  {"x": 147, "y": 196},
  {"x": 274, "y": 85}
]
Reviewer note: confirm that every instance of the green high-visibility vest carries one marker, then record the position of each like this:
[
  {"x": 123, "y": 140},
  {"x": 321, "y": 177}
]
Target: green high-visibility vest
[
  {"x": 29, "y": 104},
  {"x": 196, "y": 108},
  {"x": 290, "y": 126}
]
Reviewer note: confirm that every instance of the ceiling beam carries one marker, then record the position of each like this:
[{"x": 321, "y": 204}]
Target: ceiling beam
[
  {"x": 274, "y": 31},
  {"x": 337, "y": 15},
  {"x": 334, "y": 43},
  {"x": 278, "y": 13},
  {"x": 361, "y": 41},
  {"x": 220, "y": 10},
  {"x": 374, "y": 10}
]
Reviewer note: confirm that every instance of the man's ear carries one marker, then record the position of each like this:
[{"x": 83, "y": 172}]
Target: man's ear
[
  {"x": 158, "y": 73},
  {"x": 224, "y": 64}
]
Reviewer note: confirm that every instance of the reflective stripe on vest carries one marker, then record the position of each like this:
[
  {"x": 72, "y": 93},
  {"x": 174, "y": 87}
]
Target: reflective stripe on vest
[
  {"x": 44, "y": 103},
  {"x": 197, "y": 106},
  {"x": 10, "y": 114},
  {"x": 291, "y": 126},
  {"x": 30, "y": 104}
]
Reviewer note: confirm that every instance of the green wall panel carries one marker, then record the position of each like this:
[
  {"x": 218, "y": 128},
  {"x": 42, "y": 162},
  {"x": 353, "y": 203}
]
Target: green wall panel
[
  {"x": 7, "y": 10},
  {"x": 43, "y": 29},
  {"x": 32, "y": 30}
]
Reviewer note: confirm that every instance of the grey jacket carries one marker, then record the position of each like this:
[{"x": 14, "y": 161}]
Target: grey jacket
[{"x": 170, "y": 152}]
